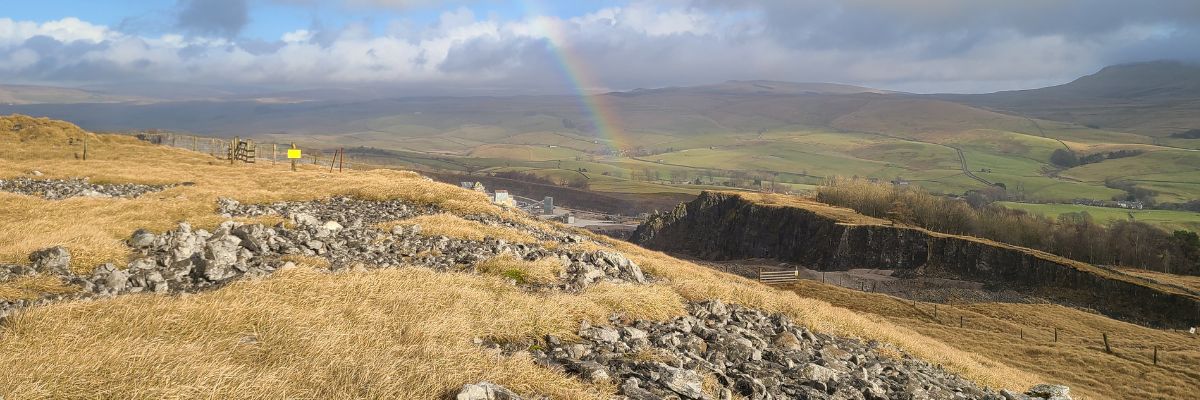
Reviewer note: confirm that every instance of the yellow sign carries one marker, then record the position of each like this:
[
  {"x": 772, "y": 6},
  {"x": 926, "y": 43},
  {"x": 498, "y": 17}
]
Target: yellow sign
[{"x": 293, "y": 153}]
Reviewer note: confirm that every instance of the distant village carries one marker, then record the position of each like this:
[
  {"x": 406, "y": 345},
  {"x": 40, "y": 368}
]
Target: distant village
[
  {"x": 616, "y": 226},
  {"x": 543, "y": 209},
  {"x": 1132, "y": 205}
]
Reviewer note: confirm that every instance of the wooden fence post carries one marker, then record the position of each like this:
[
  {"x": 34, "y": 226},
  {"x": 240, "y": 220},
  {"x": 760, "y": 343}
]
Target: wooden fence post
[
  {"x": 935, "y": 318},
  {"x": 333, "y": 161},
  {"x": 960, "y": 321},
  {"x": 1155, "y": 355},
  {"x": 1022, "y": 334},
  {"x": 274, "y": 150},
  {"x": 822, "y": 276},
  {"x": 193, "y": 143},
  {"x": 1106, "y": 348},
  {"x": 85, "y": 148},
  {"x": 341, "y": 160},
  {"x": 1055, "y": 335}
]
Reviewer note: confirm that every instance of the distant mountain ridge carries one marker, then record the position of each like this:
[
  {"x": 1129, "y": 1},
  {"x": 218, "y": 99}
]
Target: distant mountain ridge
[
  {"x": 30, "y": 94},
  {"x": 1157, "y": 98},
  {"x": 765, "y": 87},
  {"x": 1160, "y": 98}
]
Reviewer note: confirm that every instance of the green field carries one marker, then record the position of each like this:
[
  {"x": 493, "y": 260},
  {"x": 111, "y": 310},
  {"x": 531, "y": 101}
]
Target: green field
[
  {"x": 1166, "y": 219},
  {"x": 673, "y": 142}
]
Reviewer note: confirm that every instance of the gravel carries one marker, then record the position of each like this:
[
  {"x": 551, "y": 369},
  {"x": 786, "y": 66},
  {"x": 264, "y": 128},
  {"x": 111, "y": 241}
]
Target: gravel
[{"x": 58, "y": 189}]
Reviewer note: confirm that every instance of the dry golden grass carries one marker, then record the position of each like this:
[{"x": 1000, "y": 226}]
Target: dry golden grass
[
  {"x": 1022, "y": 335},
  {"x": 94, "y": 228},
  {"x": 399, "y": 333},
  {"x": 840, "y": 214},
  {"x": 540, "y": 272},
  {"x": 1186, "y": 281},
  {"x": 33, "y": 287},
  {"x": 450, "y": 225}
]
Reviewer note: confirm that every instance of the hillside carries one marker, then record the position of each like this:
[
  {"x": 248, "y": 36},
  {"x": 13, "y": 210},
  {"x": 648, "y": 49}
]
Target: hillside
[
  {"x": 29, "y": 94},
  {"x": 680, "y": 140},
  {"x": 993, "y": 298},
  {"x": 1152, "y": 98},
  {"x": 149, "y": 272}
]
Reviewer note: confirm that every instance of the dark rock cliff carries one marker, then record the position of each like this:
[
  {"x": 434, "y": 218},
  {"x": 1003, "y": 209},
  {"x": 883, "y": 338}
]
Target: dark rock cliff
[{"x": 725, "y": 226}]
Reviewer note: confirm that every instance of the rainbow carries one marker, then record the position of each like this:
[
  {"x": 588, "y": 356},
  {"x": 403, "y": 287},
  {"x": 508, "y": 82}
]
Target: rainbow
[{"x": 581, "y": 79}]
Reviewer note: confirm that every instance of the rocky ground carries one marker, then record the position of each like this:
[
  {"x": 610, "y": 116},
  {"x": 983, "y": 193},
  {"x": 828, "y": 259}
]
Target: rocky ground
[
  {"x": 341, "y": 230},
  {"x": 718, "y": 349},
  {"x": 58, "y": 189}
]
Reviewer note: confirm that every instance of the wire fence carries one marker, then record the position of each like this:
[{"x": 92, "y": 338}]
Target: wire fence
[{"x": 249, "y": 151}]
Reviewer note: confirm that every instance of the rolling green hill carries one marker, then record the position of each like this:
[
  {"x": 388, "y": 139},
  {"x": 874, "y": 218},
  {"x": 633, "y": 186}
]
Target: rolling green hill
[{"x": 748, "y": 134}]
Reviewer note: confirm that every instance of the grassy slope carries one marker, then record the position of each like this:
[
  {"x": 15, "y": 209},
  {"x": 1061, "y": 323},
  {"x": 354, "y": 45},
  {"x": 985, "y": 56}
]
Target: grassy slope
[
  {"x": 818, "y": 135},
  {"x": 1077, "y": 359},
  {"x": 1166, "y": 219},
  {"x": 402, "y": 333}
]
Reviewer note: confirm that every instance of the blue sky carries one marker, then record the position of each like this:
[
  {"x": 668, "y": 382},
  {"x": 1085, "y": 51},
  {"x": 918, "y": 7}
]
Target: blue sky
[
  {"x": 499, "y": 46},
  {"x": 271, "y": 19}
]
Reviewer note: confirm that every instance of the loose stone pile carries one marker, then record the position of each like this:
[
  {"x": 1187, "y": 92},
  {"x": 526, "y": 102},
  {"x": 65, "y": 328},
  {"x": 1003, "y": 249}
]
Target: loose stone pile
[
  {"x": 717, "y": 351},
  {"x": 747, "y": 353},
  {"x": 58, "y": 189},
  {"x": 186, "y": 259}
]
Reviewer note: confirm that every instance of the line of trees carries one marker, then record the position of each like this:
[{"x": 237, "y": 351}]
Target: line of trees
[
  {"x": 1073, "y": 235},
  {"x": 1068, "y": 158}
]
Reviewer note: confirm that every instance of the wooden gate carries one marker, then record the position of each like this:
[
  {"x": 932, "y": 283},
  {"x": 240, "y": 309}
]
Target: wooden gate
[
  {"x": 243, "y": 150},
  {"x": 778, "y": 277}
]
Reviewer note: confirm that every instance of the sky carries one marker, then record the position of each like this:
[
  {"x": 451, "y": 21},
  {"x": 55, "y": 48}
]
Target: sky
[{"x": 550, "y": 47}]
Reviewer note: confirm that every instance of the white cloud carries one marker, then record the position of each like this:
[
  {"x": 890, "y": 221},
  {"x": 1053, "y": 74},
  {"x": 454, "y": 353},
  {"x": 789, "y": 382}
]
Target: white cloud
[
  {"x": 64, "y": 30},
  {"x": 638, "y": 45},
  {"x": 297, "y": 36}
]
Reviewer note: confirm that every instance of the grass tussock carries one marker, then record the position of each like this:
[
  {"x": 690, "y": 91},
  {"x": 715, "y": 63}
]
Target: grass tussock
[
  {"x": 541, "y": 272},
  {"x": 450, "y": 225},
  {"x": 1022, "y": 335},
  {"x": 94, "y": 228},
  {"x": 697, "y": 283},
  {"x": 33, "y": 287},
  {"x": 395, "y": 333},
  {"x": 401, "y": 333}
]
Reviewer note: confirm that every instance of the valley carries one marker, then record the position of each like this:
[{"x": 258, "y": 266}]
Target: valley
[{"x": 749, "y": 135}]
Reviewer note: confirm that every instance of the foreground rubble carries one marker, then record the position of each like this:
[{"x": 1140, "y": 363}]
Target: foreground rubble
[
  {"x": 717, "y": 351},
  {"x": 721, "y": 351},
  {"x": 341, "y": 231},
  {"x": 58, "y": 189}
]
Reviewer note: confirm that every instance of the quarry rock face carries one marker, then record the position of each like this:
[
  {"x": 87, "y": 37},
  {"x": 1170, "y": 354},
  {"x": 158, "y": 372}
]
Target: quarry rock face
[
  {"x": 724, "y": 226},
  {"x": 717, "y": 351}
]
